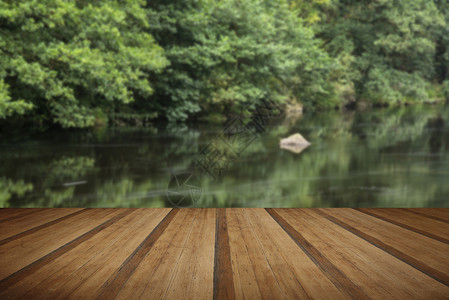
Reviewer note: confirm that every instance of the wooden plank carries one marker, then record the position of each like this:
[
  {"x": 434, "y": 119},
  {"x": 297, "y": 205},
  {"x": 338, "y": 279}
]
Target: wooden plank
[
  {"x": 48, "y": 277},
  {"x": 199, "y": 253},
  {"x": 152, "y": 277},
  {"x": 117, "y": 280},
  {"x": 368, "y": 267},
  {"x": 33, "y": 218},
  {"x": 245, "y": 280},
  {"x": 255, "y": 278},
  {"x": 193, "y": 275},
  {"x": 431, "y": 228},
  {"x": 423, "y": 253},
  {"x": 9, "y": 214},
  {"x": 32, "y": 227},
  {"x": 296, "y": 274},
  {"x": 440, "y": 214},
  {"x": 81, "y": 272},
  {"x": 121, "y": 250},
  {"x": 202, "y": 282},
  {"x": 335, "y": 275},
  {"x": 223, "y": 281},
  {"x": 182, "y": 270},
  {"x": 23, "y": 257}
]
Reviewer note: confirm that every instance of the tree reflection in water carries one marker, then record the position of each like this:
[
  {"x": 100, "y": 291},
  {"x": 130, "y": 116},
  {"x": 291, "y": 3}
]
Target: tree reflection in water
[{"x": 396, "y": 157}]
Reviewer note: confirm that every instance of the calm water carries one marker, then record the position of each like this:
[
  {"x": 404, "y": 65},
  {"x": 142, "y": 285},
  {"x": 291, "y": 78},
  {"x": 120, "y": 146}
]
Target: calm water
[{"x": 382, "y": 158}]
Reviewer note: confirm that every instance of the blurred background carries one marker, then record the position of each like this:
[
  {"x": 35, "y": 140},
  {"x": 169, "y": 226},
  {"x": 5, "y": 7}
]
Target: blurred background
[
  {"x": 391, "y": 157},
  {"x": 103, "y": 102}
]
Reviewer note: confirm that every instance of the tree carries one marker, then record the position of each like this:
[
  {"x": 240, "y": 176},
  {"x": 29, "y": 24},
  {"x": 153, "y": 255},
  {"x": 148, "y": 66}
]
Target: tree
[
  {"x": 72, "y": 61},
  {"x": 442, "y": 49},
  {"x": 228, "y": 54},
  {"x": 387, "y": 48}
]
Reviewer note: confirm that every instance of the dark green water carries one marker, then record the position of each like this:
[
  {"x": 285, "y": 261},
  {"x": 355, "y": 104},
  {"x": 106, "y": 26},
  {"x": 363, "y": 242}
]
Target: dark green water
[{"x": 382, "y": 158}]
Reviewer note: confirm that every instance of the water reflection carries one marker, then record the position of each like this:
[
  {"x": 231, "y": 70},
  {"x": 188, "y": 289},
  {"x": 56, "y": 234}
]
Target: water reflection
[{"x": 384, "y": 158}]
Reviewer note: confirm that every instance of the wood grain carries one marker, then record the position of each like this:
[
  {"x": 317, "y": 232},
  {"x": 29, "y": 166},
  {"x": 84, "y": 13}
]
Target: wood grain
[
  {"x": 440, "y": 214},
  {"x": 420, "y": 252},
  {"x": 31, "y": 219},
  {"x": 35, "y": 226},
  {"x": 291, "y": 272},
  {"x": 375, "y": 271},
  {"x": 80, "y": 272},
  {"x": 223, "y": 281},
  {"x": 116, "y": 281},
  {"x": 9, "y": 214},
  {"x": 169, "y": 271},
  {"x": 240, "y": 253},
  {"x": 431, "y": 228},
  {"x": 13, "y": 261},
  {"x": 335, "y": 275}
]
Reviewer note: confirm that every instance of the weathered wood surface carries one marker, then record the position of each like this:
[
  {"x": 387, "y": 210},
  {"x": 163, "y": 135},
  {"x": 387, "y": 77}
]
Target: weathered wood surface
[{"x": 241, "y": 253}]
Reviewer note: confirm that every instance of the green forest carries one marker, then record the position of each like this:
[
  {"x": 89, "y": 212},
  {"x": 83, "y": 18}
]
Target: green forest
[{"x": 78, "y": 63}]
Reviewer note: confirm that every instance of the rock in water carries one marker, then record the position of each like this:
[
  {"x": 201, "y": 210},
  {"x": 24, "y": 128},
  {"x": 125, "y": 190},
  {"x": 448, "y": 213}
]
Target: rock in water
[
  {"x": 294, "y": 143},
  {"x": 295, "y": 140}
]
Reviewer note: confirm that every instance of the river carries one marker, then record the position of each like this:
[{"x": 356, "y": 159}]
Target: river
[{"x": 390, "y": 157}]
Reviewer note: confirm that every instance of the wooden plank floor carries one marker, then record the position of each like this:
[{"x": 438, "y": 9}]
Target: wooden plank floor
[{"x": 240, "y": 253}]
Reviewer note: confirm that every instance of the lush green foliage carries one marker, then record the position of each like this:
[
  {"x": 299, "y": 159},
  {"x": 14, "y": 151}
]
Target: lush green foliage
[
  {"x": 77, "y": 63},
  {"x": 67, "y": 59},
  {"x": 227, "y": 54},
  {"x": 387, "y": 49}
]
